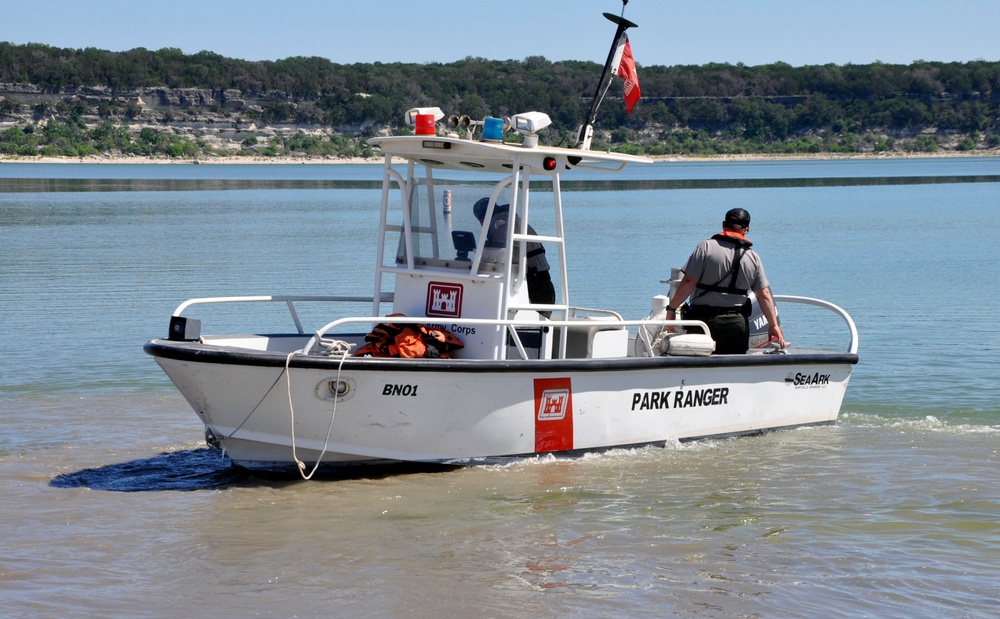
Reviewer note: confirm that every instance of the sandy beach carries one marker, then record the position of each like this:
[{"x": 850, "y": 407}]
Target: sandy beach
[
  {"x": 98, "y": 159},
  {"x": 189, "y": 161}
]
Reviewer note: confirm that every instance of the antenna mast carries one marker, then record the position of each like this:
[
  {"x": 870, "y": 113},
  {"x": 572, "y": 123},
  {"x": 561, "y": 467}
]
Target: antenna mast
[{"x": 587, "y": 130}]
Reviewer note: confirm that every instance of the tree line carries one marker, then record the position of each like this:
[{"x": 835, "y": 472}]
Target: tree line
[{"x": 708, "y": 109}]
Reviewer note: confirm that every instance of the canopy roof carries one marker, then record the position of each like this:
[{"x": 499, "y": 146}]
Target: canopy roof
[{"x": 463, "y": 154}]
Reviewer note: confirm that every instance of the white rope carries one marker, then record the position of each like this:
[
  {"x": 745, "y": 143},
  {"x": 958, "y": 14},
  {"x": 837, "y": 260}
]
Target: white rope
[{"x": 330, "y": 348}]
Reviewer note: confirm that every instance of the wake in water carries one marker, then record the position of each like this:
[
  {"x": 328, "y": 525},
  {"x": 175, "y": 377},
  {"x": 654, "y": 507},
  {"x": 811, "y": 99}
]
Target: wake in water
[{"x": 929, "y": 423}]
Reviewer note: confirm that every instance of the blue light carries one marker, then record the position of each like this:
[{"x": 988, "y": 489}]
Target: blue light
[{"x": 493, "y": 129}]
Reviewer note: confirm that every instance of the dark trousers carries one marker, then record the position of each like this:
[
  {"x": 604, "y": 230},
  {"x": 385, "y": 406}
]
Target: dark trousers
[
  {"x": 540, "y": 288},
  {"x": 730, "y": 328}
]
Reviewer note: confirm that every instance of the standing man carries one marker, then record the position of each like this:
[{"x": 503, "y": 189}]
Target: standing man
[{"x": 717, "y": 277}]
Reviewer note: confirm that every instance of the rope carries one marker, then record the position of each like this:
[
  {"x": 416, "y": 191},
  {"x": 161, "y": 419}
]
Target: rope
[
  {"x": 330, "y": 348},
  {"x": 254, "y": 410}
]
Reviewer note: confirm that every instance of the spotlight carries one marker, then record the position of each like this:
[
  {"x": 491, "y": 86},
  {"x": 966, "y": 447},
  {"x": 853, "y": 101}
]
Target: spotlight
[{"x": 529, "y": 124}]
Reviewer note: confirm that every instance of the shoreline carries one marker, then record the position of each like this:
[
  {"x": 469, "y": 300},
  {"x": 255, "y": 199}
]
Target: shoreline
[{"x": 133, "y": 160}]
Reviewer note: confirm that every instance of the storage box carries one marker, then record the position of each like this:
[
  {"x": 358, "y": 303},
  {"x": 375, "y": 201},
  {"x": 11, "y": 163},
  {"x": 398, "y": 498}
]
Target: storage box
[{"x": 687, "y": 345}]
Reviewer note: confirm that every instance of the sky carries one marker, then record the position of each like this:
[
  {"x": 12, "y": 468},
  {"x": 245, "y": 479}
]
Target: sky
[{"x": 670, "y": 32}]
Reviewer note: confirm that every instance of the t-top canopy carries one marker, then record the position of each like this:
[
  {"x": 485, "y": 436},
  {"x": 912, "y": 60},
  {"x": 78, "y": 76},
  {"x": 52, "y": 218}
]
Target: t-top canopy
[{"x": 463, "y": 154}]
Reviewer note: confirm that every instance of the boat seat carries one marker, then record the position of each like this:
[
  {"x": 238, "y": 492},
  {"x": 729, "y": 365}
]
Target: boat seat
[{"x": 597, "y": 337}]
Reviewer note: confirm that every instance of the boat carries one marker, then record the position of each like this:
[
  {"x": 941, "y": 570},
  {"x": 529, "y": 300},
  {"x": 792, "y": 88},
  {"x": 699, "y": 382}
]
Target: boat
[{"x": 449, "y": 361}]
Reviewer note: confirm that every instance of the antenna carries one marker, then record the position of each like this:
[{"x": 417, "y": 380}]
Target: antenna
[{"x": 587, "y": 130}]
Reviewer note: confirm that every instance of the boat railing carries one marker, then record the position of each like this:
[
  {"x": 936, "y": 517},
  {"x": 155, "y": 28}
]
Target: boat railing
[
  {"x": 289, "y": 300},
  {"x": 574, "y": 313},
  {"x": 510, "y": 326},
  {"x": 852, "y": 347},
  {"x": 603, "y": 318},
  {"x": 647, "y": 335},
  {"x": 593, "y": 312}
]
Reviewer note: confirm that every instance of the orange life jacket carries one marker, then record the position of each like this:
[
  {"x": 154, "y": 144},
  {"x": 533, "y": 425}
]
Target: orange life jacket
[{"x": 410, "y": 341}]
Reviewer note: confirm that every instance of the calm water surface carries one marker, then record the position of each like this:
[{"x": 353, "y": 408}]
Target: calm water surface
[{"x": 113, "y": 507}]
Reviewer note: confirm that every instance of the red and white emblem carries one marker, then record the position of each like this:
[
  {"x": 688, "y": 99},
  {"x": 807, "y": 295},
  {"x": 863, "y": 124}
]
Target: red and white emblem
[
  {"x": 553, "y": 414},
  {"x": 444, "y": 300},
  {"x": 553, "y": 404}
]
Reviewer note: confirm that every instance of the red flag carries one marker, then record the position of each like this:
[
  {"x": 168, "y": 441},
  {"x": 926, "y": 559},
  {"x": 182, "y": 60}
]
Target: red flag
[{"x": 626, "y": 70}]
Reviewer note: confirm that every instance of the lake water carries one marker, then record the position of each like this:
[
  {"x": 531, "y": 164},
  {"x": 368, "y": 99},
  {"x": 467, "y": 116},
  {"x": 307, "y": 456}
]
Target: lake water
[{"x": 112, "y": 506}]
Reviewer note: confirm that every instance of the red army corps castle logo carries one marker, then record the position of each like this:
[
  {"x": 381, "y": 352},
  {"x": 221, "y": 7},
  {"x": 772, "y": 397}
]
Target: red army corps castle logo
[{"x": 444, "y": 300}]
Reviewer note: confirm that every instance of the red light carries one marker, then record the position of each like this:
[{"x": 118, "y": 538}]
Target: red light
[{"x": 549, "y": 163}]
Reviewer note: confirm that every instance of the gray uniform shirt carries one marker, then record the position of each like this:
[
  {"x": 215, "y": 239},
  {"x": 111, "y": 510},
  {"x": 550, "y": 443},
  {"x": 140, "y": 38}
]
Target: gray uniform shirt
[{"x": 709, "y": 264}]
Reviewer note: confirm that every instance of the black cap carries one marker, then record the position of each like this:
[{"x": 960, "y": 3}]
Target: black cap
[
  {"x": 738, "y": 217},
  {"x": 479, "y": 208}
]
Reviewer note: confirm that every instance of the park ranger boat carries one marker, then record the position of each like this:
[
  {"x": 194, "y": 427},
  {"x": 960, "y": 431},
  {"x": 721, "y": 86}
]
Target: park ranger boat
[{"x": 449, "y": 360}]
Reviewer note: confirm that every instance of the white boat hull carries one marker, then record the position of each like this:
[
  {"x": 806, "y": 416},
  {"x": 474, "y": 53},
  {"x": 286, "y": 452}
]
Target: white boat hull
[{"x": 463, "y": 412}]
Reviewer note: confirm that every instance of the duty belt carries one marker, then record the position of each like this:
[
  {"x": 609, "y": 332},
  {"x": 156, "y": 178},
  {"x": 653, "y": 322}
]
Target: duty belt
[{"x": 711, "y": 311}]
